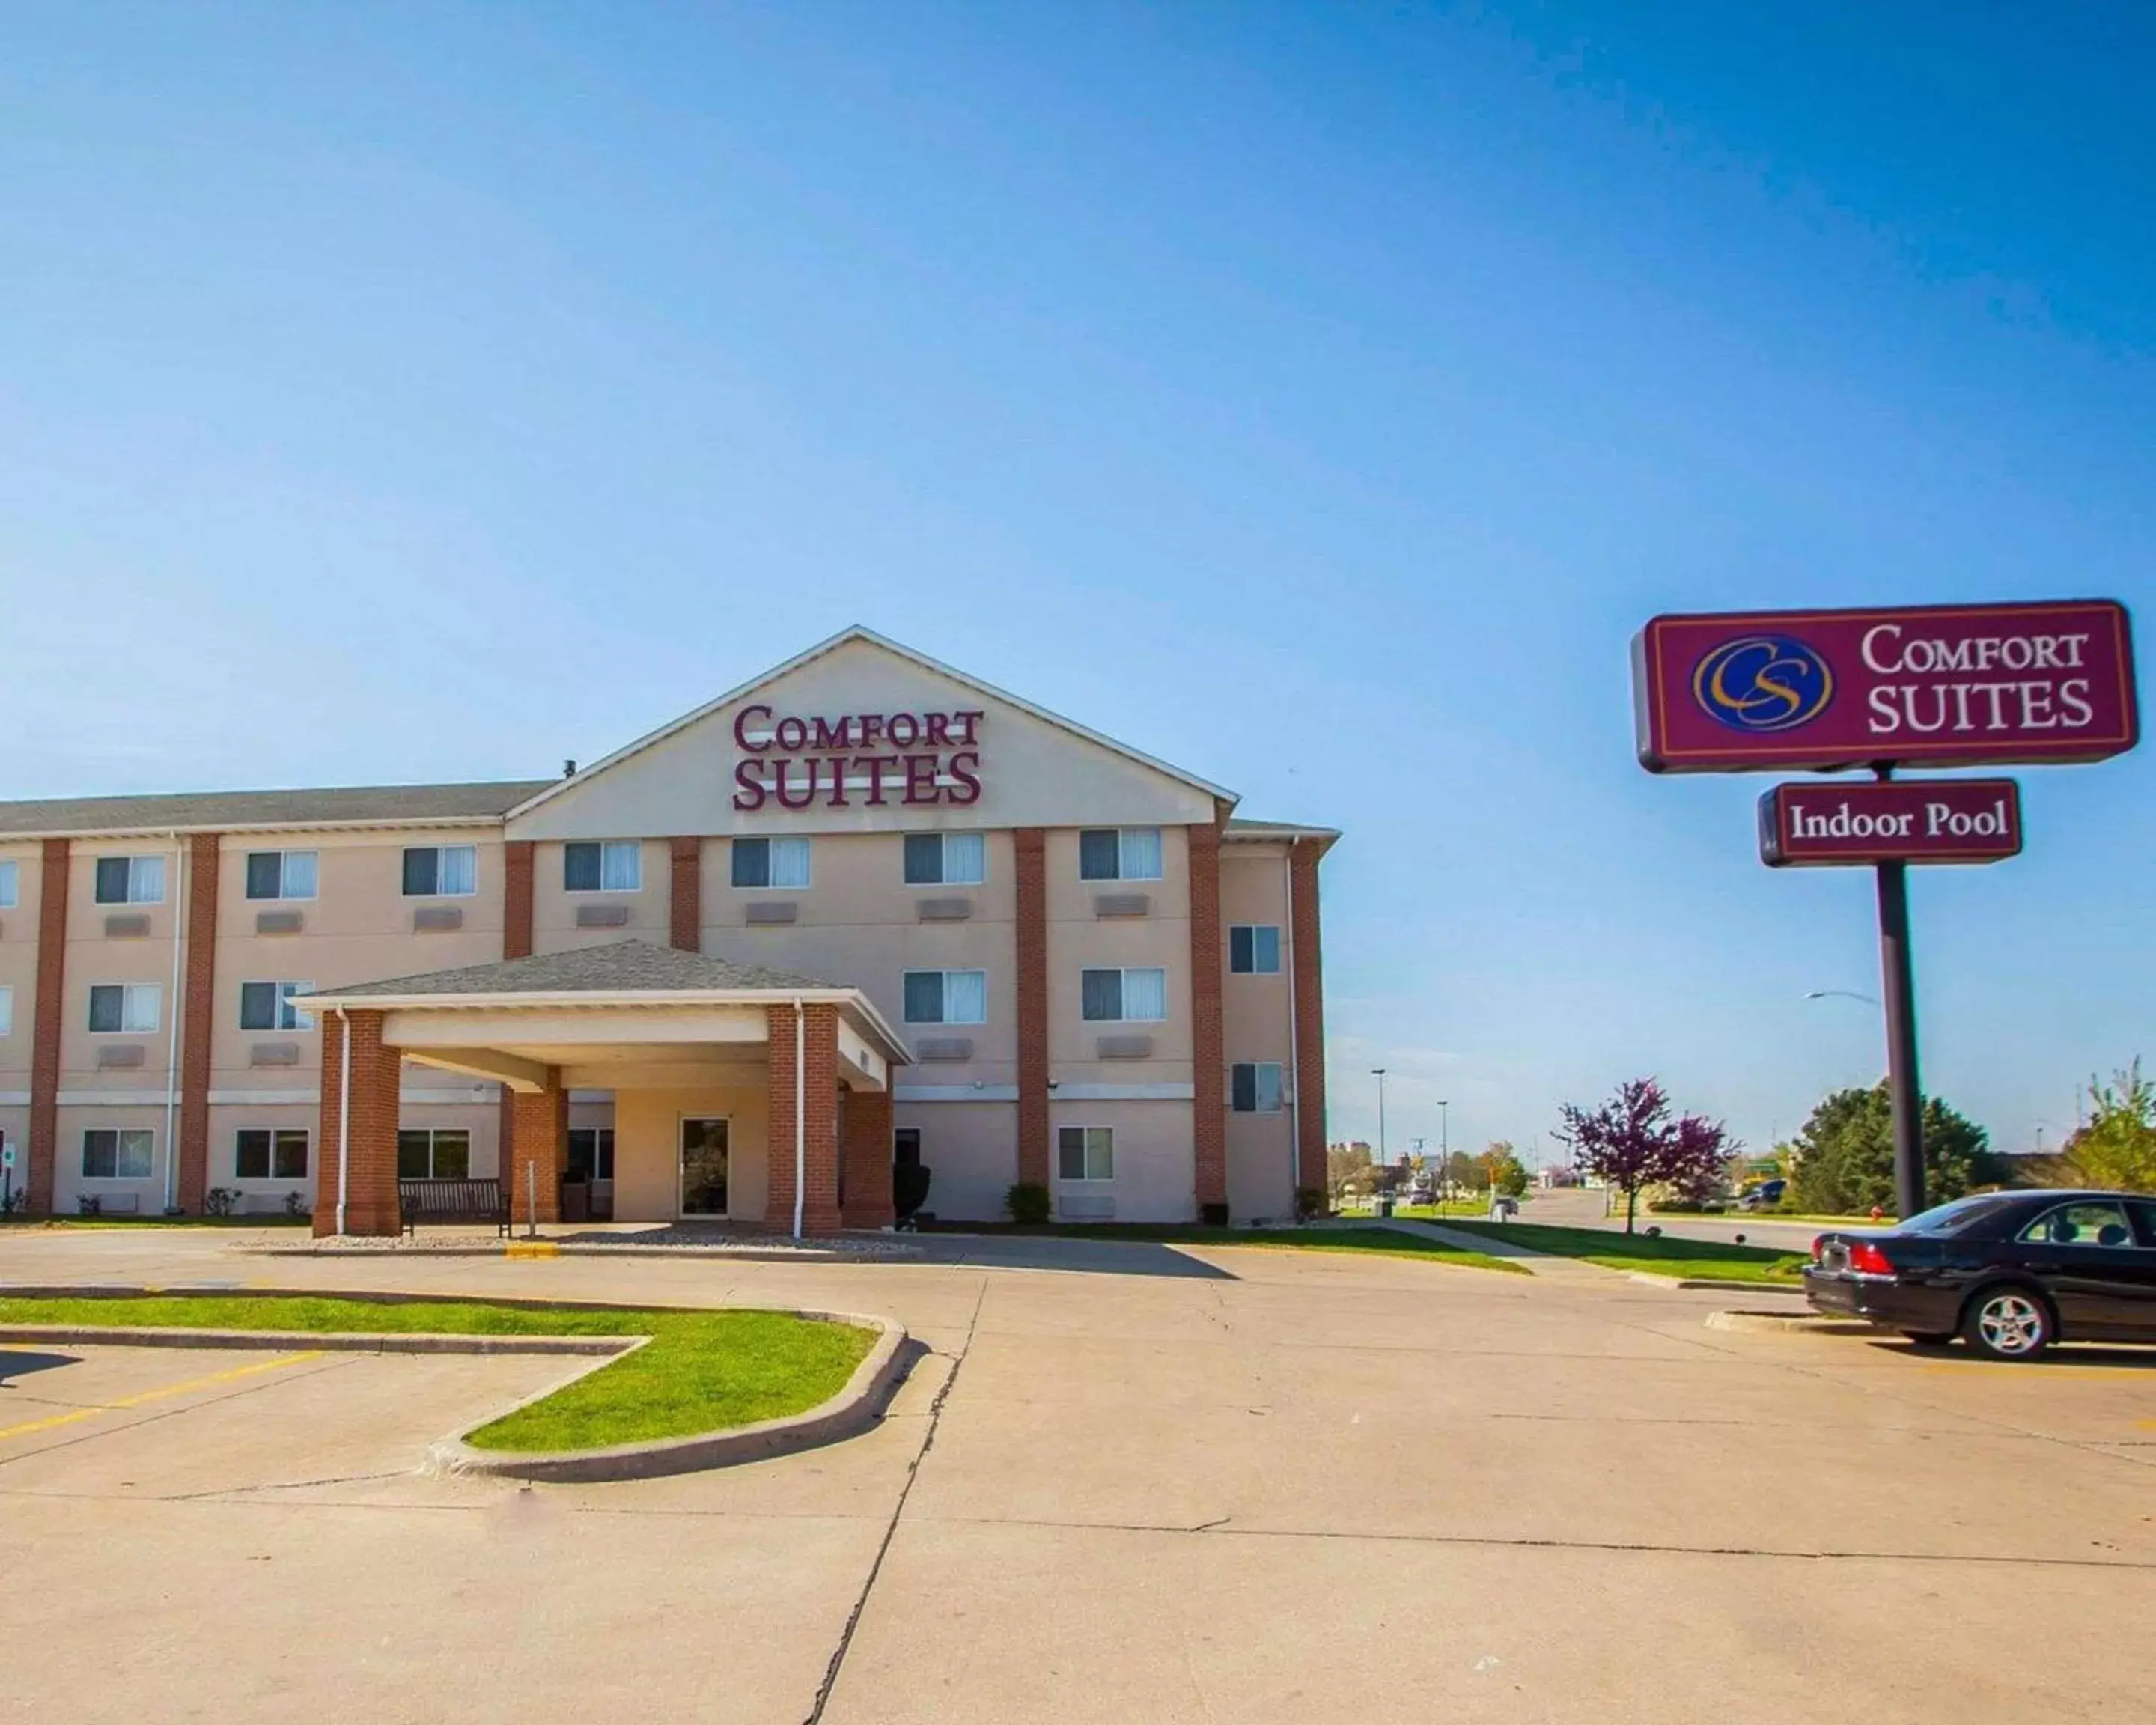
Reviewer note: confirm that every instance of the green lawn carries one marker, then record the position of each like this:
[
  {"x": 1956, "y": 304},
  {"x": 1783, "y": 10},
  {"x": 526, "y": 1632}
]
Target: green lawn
[
  {"x": 1659, "y": 1254},
  {"x": 703, "y": 1371},
  {"x": 1377, "y": 1242},
  {"x": 278, "y": 1220}
]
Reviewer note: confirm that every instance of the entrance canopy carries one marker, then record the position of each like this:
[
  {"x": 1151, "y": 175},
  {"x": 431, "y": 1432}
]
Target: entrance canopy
[{"x": 606, "y": 1017}]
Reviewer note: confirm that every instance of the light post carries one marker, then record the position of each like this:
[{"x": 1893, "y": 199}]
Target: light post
[
  {"x": 1443, "y": 1147},
  {"x": 1379, "y": 1073},
  {"x": 1840, "y": 995}
]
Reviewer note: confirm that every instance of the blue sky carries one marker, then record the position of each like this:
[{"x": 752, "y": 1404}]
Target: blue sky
[{"x": 1316, "y": 396}]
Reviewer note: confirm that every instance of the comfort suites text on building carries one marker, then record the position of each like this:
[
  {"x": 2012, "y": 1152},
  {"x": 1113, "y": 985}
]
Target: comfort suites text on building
[{"x": 865, "y": 909}]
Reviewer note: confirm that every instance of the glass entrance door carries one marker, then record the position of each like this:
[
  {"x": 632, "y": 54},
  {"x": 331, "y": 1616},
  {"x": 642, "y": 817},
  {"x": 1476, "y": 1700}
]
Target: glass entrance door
[{"x": 703, "y": 1168}]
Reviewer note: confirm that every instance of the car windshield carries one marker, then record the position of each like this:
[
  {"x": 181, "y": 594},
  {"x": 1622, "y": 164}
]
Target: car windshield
[{"x": 1958, "y": 1216}]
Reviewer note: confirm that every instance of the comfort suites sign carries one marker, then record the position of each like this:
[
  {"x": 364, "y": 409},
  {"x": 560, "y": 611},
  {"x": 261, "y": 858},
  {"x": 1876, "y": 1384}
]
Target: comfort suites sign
[
  {"x": 1935, "y": 685},
  {"x": 856, "y": 760}
]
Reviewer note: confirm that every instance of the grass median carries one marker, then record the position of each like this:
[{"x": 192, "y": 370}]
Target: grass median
[
  {"x": 1659, "y": 1254},
  {"x": 1369, "y": 1242},
  {"x": 701, "y": 1371}
]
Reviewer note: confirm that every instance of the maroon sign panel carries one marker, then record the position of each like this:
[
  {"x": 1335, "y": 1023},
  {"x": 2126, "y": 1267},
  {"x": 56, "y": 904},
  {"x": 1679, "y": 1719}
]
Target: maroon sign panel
[
  {"x": 1939, "y": 686},
  {"x": 1937, "y": 821}
]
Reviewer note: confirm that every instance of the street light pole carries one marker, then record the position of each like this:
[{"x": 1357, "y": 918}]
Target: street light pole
[
  {"x": 1444, "y": 1145},
  {"x": 1379, "y": 1073}
]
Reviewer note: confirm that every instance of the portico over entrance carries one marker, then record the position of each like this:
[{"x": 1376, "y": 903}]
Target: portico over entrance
[{"x": 740, "y": 1092}]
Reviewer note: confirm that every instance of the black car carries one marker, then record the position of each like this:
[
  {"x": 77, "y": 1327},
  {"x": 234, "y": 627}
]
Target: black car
[{"x": 2010, "y": 1272}]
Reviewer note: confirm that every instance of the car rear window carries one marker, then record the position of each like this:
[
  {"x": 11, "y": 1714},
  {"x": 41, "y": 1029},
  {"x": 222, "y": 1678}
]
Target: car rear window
[{"x": 1959, "y": 1217}]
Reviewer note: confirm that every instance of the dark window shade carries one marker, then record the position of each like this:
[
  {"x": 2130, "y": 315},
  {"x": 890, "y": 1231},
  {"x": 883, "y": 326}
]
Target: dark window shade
[
  {"x": 580, "y": 868},
  {"x": 924, "y": 997},
  {"x": 751, "y": 862},
  {"x": 265, "y": 874},
  {"x": 1241, "y": 959},
  {"x": 1244, "y": 1087},
  {"x": 452, "y": 1154},
  {"x": 105, "y": 1003},
  {"x": 1102, "y": 994},
  {"x": 1100, "y": 855},
  {"x": 291, "y": 1159},
  {"x": 258, "y": 1006},
  {"x": 250, "y": 1155},
  {"x": 422, "y": 872},
  {"x": 101, "y": 1154},
  {"x": 924, "y": 859},
  {"x": 112, "y": 880},
  {"x": 413, "y": 1156}
]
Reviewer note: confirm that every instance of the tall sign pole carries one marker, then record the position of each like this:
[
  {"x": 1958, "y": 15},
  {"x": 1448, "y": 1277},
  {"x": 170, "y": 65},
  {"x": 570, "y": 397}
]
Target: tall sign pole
[{"x": 1897, "y": 976}]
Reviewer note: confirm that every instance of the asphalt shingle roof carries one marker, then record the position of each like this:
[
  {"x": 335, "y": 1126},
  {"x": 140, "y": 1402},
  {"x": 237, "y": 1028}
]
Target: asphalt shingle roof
[
  {"x": 616, "y": 966},
  {"x": 217, "y": 810}
]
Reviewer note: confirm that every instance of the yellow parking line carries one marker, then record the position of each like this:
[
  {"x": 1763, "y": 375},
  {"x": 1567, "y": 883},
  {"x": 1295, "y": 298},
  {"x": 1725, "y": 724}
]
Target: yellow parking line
[
  {"x": 532, "y": 1249},
  {"x": 160, "y": 1393}
]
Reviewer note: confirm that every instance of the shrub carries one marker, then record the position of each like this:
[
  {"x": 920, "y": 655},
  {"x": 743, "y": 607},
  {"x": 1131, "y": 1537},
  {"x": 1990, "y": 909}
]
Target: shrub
[
  {"x": 90, "y": 1204},
  {"x": 295, "y": 1204},
  {"x": 1310, "y": 1201},
  {"x": 1028, "y": 1202},
  {"x": 1212, "y": 1215},
  {"x": 909, "y": 1188},
  {"x": 220, "y": 1201}
]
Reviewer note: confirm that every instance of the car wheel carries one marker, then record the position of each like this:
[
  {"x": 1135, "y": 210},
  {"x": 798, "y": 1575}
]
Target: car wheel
[
  {"x": 2008, "y": 1323},
  {"x": 1930, "y": 1338}
]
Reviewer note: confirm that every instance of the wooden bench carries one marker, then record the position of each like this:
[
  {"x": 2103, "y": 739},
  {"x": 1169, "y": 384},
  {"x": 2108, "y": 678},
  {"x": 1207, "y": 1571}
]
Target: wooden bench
[{"x": 452, "y": 1201}]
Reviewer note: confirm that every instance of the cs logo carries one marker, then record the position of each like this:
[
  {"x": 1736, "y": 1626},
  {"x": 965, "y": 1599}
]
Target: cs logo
[{"x": 1763, "y": 683}]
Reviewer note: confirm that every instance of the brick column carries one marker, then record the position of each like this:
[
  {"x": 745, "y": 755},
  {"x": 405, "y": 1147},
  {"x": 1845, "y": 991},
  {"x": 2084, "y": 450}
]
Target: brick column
[
  {"x": 516, "y": 869},
  {"x": 819, "y": 1029},
  {"x": 199, "y": 1019},
  {"x": 371, "y": 1152},
  {"x": 868, "y": 1200},
  {"x": 1209, "y": 1070},
  {"x": 45, "y": 1034},
  {"x": 1309, "y": 1008},
  {"x": 684, "y": 885},
  {"x": 539, "y": 1142},
  {"x": 1030, "y": 844}
]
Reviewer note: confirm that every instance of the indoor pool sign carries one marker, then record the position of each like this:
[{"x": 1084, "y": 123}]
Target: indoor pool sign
[{"x": 1938, "y": 686}]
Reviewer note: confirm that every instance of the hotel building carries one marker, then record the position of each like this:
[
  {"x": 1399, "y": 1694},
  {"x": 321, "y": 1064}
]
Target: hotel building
[{"x": 864, "y": 910}]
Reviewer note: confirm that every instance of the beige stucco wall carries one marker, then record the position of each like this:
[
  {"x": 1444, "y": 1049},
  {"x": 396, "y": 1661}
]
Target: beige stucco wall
[
  {"x": 971, "y": 1149},
  {"x": 647, "y": 1148},
  {"x": 1156, "y": 1164},
  {"x": 1080, "y": 939},
  {"x": 1256, "y": 1024},
  {"x": 554, "y": 906},
  {"x": 18, "y": 973}
]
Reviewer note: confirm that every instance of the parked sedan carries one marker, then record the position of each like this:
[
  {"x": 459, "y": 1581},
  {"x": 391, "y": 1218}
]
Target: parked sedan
[{"x": 2010, "y": 1272}]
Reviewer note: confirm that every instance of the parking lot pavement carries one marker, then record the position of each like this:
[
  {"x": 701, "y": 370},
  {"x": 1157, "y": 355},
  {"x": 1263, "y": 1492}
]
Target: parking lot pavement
[{"x": 1152, "y": 1486}]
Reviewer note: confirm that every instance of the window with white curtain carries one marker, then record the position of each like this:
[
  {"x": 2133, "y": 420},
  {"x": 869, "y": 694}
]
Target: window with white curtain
[
  {"x": 124, "y": 1154},
  {"x": 125, "y": 1008},
  {"x": 281, "y": 874},
  {"x": 946, "y": 858},
  {"x": 268, "y": 1006},
  {"x": 1119, "y": 854},
  {"x": 1086, "y": 1152},
  {"x": 612, "y": 865},
  {"x": 130, "y": 880},
  {"x": 770, "y": 862},
  {"x": 441, "y": 870},
  {"x": 1254, "y": 1086},
  {"x": 7, "y": 1011},
  {"x": 1138, "y": 996},
  {"x": 10, "y": 874},
  {"x": 947, "y": 997}
]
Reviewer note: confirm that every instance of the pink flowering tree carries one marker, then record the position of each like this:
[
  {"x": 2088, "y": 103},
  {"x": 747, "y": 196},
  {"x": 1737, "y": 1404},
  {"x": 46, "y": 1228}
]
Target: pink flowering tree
[{"x": 1631, "y": 1143}]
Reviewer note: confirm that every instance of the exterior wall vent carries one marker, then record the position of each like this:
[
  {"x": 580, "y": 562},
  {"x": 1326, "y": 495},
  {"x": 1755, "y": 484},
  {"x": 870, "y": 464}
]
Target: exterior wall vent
[
  {"x": 946, "y": 1047},
  {"x": 773, "y": 912},
  {"x": 127, "y": 924},
  {"x": 432, "y": 919},
  {"x": 1123, "y": 1048},
  {"x": 274, "y": 1054},
  {"x": 114, "y": 1055},
  {"x": 279, "y": 921},
  {"x": 943, "y": 910},
  {"x": 1073, "y": 1206},
  {"x": 1122, "y": 904},
  {"x": 601, "y": 916}
]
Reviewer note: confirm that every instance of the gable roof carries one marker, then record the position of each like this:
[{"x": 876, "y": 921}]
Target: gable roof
[
  {"x": 616, "y": 967},
  {"x": 236, "y": 811},
  {"x": 859, "y": 632}
]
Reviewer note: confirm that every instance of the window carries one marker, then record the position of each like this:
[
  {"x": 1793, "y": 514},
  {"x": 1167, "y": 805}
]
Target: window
[
  {"x": 1254, "y": 1086},
  {"x": 591, "y": 1152},
  {"x": 261, "y": 1153},
  {"x": 121, "y": 1008},
  {"x": 441, "y": 870},
  {"x": 617, "y": 865},
  {"x": 1254, "y": 949},
  {"x": 433, "y": 1153},
  {"x": 7, "y": 1012},
  {"x": 131, "y": 880},
  {"x": 1086, "y": 1152},
  {"x": 947, "y": 997},
  {"x": 2088, "y": 1225},
  {"x": 268, "y": 1006},
  {"x": 771, "y": 862},
  {"x": 10, "y": 877},
  {"x": 109, "y": 1155},
  {"x": 1108, "y": 854},
  {"x": 946, "y": 858},
  {"x": 281, "y": 874},
  {"x": 1124, "y": 996}
]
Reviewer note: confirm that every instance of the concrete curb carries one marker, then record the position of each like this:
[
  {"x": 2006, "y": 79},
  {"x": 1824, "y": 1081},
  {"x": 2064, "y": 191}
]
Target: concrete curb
[
  {"x": 522, "y": 1248},
  {"x": 1719, "y": 1284},
  {"x": 1786, "y": 1322},
  {"x": 314, "y": 1340},
  {"x": 853, "y": 1408}
]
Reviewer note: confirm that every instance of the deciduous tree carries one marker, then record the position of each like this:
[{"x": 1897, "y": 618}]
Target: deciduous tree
[
  {"x": 1844, "y": 1155},
  {"x": 2116, "y": 1149},
  {"x": 1631, "y": 1142}
]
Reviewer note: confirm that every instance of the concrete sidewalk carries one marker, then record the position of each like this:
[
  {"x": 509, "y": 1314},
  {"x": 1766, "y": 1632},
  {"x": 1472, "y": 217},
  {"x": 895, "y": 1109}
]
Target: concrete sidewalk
[{"x": 1497, "y": 1247}]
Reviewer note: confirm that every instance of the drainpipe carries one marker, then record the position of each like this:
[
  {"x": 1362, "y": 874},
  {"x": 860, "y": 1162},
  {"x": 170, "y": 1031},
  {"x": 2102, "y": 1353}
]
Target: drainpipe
[
  {"x": 1294, "y": 1056},
  {"x": 800, "y": 1111},
  {"x": 178, "y": 901},
  {"x": 344, "y": 1118}
]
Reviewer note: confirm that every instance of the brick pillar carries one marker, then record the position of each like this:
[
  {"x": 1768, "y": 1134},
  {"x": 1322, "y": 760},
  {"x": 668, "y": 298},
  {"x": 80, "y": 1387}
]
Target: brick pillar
[
  {"x": 1309, "y": 1008},
  {"x": 1031, "y": 843},
  {"x": 684, "y": 884},
  {"x": 868, "y": 1201},
  {"x": 371, "y": 1152},
  {"x": 516, "y": 870},
  {"x": 45, "y": 1034},
  {"x": 538, "y": 1141},
  {"x": 199, "y": 1019},
  {"x": 819, "y": 1029},
  {"x": 1208, "y": 1108}
]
